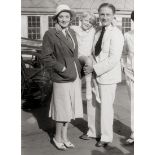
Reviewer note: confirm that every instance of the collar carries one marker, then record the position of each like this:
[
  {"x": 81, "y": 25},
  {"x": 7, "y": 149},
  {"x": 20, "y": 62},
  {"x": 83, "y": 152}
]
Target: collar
[
  {"x": 109, "y": 27},
  {"x": 87, "y": 31},
  {"x": 61, "y": 35},
  {"x": 63, "y": 31}
]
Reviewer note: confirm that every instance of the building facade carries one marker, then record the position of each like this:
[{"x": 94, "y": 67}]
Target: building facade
[{"x": 36, "y": 15}]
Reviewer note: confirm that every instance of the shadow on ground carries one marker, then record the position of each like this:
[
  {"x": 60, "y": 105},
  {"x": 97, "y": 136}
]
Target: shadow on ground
[
  {"x": 121, "y": 129},
  {"x": 108, "y": 151},
  {"x": 80, "y": 123},
  {"x": 40, "y": 112}
]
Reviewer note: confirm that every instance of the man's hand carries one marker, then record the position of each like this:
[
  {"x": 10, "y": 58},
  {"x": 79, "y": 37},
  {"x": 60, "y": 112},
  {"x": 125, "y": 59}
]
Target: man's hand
[{"x": 88, "y": 69}]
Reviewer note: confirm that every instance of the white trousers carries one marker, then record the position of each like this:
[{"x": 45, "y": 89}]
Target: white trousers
[
  {"x": 107, "y": 94},
  {"x": 101, "y": 115},
  {"x": 93, "y": 107},
  {"x": 130, "y": 87},
  {"x": 93, "y": 117},
  {"x": 88, "y": 87}
]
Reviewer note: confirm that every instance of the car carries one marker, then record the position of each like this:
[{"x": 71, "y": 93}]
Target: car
[{"x": 36, "y": 84}]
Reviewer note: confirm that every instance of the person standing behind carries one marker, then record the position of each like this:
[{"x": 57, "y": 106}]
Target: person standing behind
[
  {"x": 108, "y": 46},
  {"x": 128, "y": 64},
  {"x": 60, "y": 55}
]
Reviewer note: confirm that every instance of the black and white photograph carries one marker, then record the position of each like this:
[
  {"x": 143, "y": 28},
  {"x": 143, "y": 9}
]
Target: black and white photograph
[{"x": 77, "y": 77}]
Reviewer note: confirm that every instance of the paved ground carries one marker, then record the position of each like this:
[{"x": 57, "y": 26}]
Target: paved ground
[{"x": 37, "y": 129}]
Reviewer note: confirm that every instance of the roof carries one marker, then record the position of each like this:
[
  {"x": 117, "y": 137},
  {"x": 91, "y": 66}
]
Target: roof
[{"x": 48, "y": 6}]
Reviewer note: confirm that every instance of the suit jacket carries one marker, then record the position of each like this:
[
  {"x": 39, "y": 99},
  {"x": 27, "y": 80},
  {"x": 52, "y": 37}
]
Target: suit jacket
[
  {"x": 107, "y": 64},
  {"x": 57, "y": 53}
]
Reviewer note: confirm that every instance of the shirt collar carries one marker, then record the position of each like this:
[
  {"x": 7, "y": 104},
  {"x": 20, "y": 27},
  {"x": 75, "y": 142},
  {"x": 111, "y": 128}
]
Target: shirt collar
[
  {"x": 87, "y": 31},
  {"x": 109, "y": 27},
  {"x": 63, "y": 31}
]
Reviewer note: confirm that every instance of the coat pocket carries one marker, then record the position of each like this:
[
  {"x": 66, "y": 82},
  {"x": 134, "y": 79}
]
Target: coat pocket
[{"x": 69, "y": 73}]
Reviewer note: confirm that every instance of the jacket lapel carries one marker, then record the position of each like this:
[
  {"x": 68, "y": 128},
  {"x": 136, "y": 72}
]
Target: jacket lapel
[
  {"x": 73, "y": 37},
  {"x": 61, "y": 36},
  {"x": 105, "y": 37}
]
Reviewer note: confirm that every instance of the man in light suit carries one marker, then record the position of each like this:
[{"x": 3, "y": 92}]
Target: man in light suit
[{"x": 108, "y": 46}]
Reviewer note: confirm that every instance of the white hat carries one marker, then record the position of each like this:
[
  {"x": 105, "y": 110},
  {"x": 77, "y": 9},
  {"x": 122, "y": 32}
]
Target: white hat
[{"x": 61, "y": 8}]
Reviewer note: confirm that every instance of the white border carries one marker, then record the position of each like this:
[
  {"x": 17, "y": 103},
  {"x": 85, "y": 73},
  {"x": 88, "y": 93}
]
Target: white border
[{"x": 10, "y": 27}]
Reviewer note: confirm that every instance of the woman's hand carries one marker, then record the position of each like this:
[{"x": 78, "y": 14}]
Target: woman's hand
[{"x": 63, "y": 69}]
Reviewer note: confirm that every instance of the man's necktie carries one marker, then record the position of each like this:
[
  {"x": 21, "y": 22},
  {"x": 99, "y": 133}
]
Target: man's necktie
[
  {"x": 99, "y": 42},
  {"x": 68, "y": 37}
]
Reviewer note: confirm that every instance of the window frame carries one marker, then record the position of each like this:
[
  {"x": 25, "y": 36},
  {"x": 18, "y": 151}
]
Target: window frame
[
  {"x": 76, "y": 21},
  {"x": 126, "y": 24},
  {"x": 50, "y": 22},
  {"x": 34, "y": 27}
]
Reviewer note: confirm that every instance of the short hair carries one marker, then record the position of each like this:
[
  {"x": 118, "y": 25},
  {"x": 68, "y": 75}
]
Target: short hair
[
  {"x": 91, "y": 16},
  {"x": 107, "y": 5},
  {"x": 132, "y": 15}
]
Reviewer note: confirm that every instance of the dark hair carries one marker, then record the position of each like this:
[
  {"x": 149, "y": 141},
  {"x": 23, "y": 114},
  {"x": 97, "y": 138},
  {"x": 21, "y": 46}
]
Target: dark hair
[
  {"x": 132, "y": 15},
  {"x": 107, "y": 5}
]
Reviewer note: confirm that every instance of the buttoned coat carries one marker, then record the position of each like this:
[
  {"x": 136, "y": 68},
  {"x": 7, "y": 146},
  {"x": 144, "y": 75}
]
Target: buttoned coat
[
  {"x": 107, "y": 64},
  {"x": 57, "y": 53}
]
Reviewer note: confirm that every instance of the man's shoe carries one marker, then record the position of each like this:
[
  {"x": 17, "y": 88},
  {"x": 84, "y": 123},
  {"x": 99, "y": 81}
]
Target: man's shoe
[
  {"x": 101, "y": 144},
  {"x": 129, "y": 141},
  {"x": 85, "y": 137}
]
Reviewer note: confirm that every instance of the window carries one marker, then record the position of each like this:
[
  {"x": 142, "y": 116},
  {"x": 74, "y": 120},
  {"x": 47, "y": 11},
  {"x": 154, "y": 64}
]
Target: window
[
  {"x": 126, "y": 24},
  {"x": 34, "y": 27},
  {"x": 75, "y": 21},
  {"x": 50, "y": 22}
]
